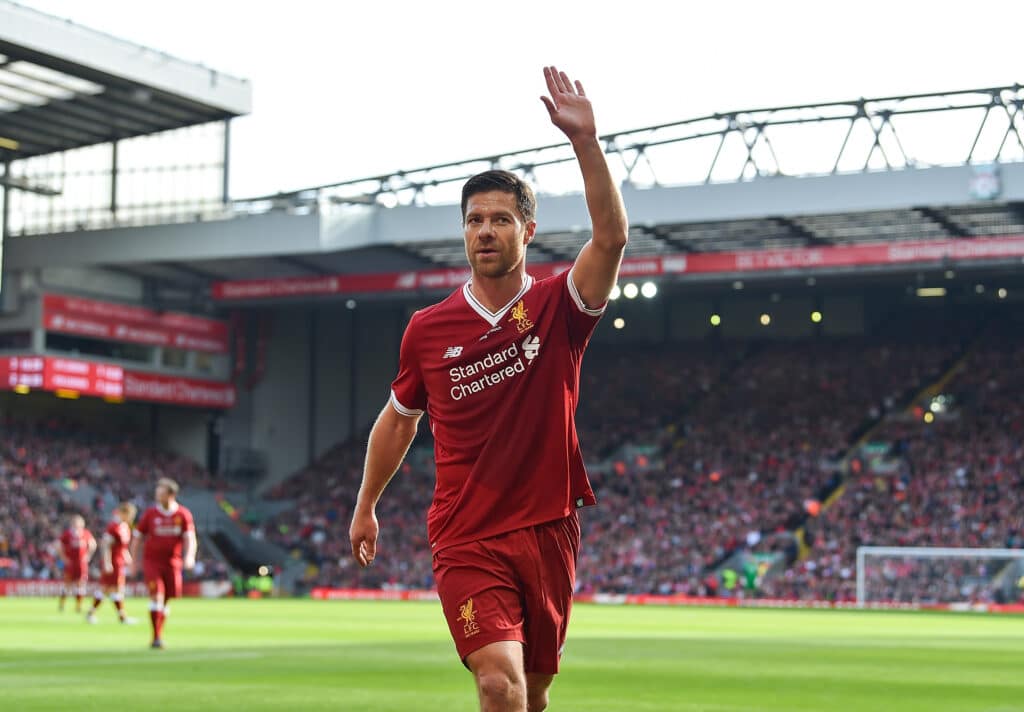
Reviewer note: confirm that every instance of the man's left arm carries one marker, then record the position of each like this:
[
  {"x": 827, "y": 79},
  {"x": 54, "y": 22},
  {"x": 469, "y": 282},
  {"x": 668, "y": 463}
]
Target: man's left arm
[
  {"x": 597, "y": 266},
  {"x": 188, "y": 555}
]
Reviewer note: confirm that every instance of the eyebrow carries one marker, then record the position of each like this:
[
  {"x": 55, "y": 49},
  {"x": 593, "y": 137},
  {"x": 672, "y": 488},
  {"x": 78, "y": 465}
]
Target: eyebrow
[{"x": 499, "y": 212}]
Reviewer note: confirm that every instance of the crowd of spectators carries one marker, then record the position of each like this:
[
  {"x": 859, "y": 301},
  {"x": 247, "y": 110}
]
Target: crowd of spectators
[
  {"x": 43, "y": 463},
  {"x": 958, "y": 481},
  {"x": 738, "y": 441},
  {"x": 695, "y": 453}
]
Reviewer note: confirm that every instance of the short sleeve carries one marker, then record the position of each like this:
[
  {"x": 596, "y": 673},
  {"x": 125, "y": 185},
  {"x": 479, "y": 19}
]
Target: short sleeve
[
  {"x": 582, "y": 319},
  {"x": 408, "y": 393},
  {"x": 190, "y": 525},
  {"x": 143, "y": 526}
]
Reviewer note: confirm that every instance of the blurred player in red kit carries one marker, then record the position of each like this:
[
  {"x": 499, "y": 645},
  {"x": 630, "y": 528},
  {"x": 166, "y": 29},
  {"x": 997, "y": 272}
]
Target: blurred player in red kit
[
  {"x": 167, "y": 536},
  {"x": 114, "y": 558},
  {"x": 77, "y": 546},
  {"x": 496, "y": 366}
]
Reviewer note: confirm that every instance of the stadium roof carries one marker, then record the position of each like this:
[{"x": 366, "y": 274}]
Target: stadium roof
[{"x": 64, "y": 86}]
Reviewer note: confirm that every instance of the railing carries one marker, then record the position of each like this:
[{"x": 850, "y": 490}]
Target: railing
[
  {"x": 977, "y": 126},
  {"x": 969, "y": 127}
]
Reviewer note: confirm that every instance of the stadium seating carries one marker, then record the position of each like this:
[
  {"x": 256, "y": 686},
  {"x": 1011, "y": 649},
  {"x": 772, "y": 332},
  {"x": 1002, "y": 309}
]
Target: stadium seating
[
  {"x": 740, "y": 437},
  {"x": 42, "y": 463},
  {"x": 960, "y": 483},
  {"x": 695, "y": 453}
]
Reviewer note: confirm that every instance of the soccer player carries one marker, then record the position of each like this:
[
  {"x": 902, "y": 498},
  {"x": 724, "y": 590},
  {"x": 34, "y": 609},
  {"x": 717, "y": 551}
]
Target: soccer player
[
  {"x": 114, "y": 556},
  {"x": 496, "y": 366},
  {"x": 167, "y": 535},
  {"x": 77, "y": 545}
]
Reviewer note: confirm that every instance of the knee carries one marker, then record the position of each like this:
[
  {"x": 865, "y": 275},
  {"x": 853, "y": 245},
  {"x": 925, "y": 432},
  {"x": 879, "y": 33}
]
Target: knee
[
  {"x": 537, "y": 701},
  {"x": 500, "y": 687}
]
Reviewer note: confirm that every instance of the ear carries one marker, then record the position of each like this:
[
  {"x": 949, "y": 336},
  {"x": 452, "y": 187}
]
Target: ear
[{"x": 531, "y": 230}]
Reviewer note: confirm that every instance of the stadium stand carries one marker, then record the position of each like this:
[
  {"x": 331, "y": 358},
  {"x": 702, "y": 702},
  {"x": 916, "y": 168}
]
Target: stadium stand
[
  {"x": 695, "y": 453},
  {"x": 960, "y": 482},
  {"x": 45, "y": 462}
]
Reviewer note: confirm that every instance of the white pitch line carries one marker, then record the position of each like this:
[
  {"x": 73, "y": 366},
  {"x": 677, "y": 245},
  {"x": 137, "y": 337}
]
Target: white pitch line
[{"x": 157, "y": 656}]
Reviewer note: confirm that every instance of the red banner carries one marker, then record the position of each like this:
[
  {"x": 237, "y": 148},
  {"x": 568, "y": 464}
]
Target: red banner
[
  {"x": 643, "y": 599},
  {"x": 158, "y": 388},
  {"x": 51, "y": 588},
  {"x": 132, "y": 324},
  {"x": 88, "y": 378},
  {"x": 800, "y": 258}
]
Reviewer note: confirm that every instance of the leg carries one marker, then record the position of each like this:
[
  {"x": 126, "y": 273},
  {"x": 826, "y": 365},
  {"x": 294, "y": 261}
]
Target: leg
[
  {"x": 65, "y": 587},
  {"x": 171, "y": 577},
  {"x": 500, "y": 680},
  {"x": 97, "y": 599},
  {"x": 116, "y": 594},
  {"x": 537, "y": 685},
  {"x": 80, "y": 593},
  {"x": 155, "y": 584}
]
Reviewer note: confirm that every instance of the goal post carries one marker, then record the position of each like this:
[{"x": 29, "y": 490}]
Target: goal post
[{"x": 938, "y": 575}]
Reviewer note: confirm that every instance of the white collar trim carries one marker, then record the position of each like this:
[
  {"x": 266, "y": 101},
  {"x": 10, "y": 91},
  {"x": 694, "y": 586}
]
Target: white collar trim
[
  {"x": 170, "y": 510},
  {"x": 490, "y": 317}
]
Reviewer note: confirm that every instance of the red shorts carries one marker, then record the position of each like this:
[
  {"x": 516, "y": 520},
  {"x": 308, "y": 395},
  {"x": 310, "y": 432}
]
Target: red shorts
[
  {"x": 74, "y": 573},
  {"x": 516, "y": 586},
  {"x": 113, "y": 579},
  {"x": 162, "y": 577}
]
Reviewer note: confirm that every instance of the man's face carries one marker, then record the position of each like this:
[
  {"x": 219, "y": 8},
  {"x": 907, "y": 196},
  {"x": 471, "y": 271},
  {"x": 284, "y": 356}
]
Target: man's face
[
  {"x": 163, "y": 496},
  {"x": 496, "y": 235},
  {"x": 77, "y": 524}
]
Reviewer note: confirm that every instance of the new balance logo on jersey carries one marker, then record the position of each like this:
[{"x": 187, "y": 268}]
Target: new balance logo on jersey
[
  {"x": 531, "y": 347},
  {"x": 452, "y": 352}
]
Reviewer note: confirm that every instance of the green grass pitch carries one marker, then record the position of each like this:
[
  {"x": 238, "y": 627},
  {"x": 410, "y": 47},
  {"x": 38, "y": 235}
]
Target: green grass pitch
[{"x": 311, "y": 655}]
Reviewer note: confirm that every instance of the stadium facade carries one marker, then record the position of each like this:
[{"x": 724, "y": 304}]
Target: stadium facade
[{"x": 253, "y": 335}]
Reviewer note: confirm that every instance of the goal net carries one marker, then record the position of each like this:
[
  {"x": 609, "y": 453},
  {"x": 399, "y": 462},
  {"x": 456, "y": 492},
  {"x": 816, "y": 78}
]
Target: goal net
[{"x": 935, "y": 575}]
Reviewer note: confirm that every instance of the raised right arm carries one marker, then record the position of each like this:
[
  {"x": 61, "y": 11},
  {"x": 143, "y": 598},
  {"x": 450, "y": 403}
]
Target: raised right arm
[{"x": 390, "y": 439}]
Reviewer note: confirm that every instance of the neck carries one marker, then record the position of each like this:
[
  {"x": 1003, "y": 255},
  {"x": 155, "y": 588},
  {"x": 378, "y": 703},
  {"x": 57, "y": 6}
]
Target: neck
[{"x": 495, "y": 292}]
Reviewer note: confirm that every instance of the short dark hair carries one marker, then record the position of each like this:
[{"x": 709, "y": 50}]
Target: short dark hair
[{"x": 505, "y": 182}]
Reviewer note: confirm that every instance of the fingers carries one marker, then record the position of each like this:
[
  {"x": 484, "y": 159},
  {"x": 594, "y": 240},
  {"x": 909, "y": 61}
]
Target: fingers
[
  {"x": 566, "y": 84},
  {"x": 369, "y": 549},
  {"x": 550, "y": 106},
  {"x": 551, "y": 80},
  {"x": 559, "y": 83},
  {"x": 364, "y": 551},
  {"x": 579, "y": 88}
]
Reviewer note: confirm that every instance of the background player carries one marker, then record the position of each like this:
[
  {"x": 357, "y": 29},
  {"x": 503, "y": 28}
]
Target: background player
[
  {"x": 114, "y": 557},
  {"x": 167, "y": 534},
  {"x": 77, "y": 545},
  {"x": 496, "y": 365}
]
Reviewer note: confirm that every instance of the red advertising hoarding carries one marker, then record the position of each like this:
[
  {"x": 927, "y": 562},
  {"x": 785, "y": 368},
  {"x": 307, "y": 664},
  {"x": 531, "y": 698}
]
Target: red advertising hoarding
[
  {"x": 158, "y": 388},
  {"x": 643, "y": 599},
  {"x": 88, "y": 378},
  {"x": 132, "y": 324},
  {"x": 802, "y": 258},
  {"x": 51, "y": 588}
]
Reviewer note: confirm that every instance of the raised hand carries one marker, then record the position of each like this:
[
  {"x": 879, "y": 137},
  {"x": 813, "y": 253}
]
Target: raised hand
[{"x": 568, "y": 106}]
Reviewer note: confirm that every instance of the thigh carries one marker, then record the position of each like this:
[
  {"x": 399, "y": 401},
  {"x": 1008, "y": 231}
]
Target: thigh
[
  {"x": 152, "y": 574},
  {"x": 479, "y": 595},
  {"x": 549, "y": 595},
  {"x": 172, "y": 581}
]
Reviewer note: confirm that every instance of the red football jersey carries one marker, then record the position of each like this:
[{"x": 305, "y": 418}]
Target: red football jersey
[
  {"x": 119, "y": 536},
  {"x": 165, "y": 532},
  {"x": 76, "y": 546},
  {"x": 501, "y": 391}
]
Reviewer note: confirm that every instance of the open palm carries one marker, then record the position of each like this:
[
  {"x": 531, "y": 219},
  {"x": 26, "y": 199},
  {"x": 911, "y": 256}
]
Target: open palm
[{"x": 568, "y": 106}]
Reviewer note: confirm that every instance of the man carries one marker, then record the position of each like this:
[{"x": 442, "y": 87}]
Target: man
[
  {"x": 168, "y": 537},
  {"x": 496, "y": 365},
  {"x": 114, "y": 556},
  {"x": 77, "y": 545}
]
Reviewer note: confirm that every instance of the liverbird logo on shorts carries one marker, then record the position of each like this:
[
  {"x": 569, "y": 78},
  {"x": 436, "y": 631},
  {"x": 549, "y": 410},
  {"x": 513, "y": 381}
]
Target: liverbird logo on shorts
[
  {"x": 468, "y": 617},
  {"x": 520, "y": 317}
]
